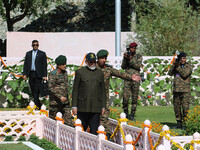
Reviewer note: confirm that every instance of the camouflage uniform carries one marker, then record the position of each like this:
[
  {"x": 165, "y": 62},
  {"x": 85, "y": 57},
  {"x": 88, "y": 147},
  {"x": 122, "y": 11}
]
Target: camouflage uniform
[
  {"x": 181, "y": 89},
  {"x": 58, "y": 86},
  {"x": 131, "y": 66},
  {"x": 108, "y": 73}
]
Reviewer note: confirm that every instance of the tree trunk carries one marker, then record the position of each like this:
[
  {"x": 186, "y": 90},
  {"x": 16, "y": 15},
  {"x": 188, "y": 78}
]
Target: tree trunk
[{"x": 9, "y": 25}]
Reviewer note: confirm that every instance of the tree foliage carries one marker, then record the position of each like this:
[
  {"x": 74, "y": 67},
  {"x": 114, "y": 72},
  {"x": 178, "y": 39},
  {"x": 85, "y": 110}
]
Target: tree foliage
[
  {"x": 165, "y": 26},
  {"x": 13, "y": 11}
]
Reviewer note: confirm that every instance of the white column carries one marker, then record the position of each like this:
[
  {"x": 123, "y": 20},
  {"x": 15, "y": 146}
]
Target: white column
[
  {"x": 128, "y": 146},
  {"x": 165, "y": 142},
  {"x": 117, "y": 27},
  {"x": 101, "y": 136},
  {"x": 77, "y": 129},
  {"x": 146, "y": 144}
]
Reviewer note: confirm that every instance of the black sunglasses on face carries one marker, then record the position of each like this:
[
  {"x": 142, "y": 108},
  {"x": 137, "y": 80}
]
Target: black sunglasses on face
[{"x": 35, "y": 45}]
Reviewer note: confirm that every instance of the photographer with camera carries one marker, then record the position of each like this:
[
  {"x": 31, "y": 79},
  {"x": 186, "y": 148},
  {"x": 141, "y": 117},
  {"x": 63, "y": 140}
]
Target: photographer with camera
[
  {"x": 182, "y": 71},
  {"x": 131, "y": 63}
]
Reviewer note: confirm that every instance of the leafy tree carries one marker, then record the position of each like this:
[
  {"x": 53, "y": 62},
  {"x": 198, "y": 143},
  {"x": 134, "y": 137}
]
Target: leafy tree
[
  {"x": 165, "y": 26},
  {"x": 13, "y": 11}
]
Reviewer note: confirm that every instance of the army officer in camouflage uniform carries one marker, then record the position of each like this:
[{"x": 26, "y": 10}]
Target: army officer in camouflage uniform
[
  {"x": 89, "y": 95},
  {"x": 131, "y": 63},
  {"x": 182, "y": 71},
  {"x": 108, "y": 73},
  {"x": 58, "y": 86}
]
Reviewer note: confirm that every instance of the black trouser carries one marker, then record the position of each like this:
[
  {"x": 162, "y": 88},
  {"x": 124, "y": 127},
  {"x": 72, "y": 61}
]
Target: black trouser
[
  {"x": 89, "y": 119},
  {"x": 35, "y": 84}
]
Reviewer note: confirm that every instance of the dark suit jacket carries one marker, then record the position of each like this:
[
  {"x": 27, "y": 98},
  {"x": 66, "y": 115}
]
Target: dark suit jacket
[
  {"x": 40, "y": 64},
  {"x": 89, "y": 94}
]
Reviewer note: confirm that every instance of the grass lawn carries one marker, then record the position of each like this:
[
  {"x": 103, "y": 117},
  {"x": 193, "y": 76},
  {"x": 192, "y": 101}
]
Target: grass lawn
[
  {"x": 159, "y": 114},
  {"x": 19, "y": 146}
]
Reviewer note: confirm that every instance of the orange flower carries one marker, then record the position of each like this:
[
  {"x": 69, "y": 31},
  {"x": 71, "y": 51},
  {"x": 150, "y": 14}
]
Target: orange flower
[
  {"x": 70, "y": 95},
  {"x": 164, "y": 96},
  {"x": 149, "y": 96},
  {"x": 116, "y": 93},
  {"x": 138, "y": 97}
]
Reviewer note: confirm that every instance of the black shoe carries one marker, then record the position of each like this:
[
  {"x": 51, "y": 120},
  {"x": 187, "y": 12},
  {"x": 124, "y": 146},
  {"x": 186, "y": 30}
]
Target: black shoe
[
  {"x": 131, "y": 117},
  {"x": 179, "y": 125}
]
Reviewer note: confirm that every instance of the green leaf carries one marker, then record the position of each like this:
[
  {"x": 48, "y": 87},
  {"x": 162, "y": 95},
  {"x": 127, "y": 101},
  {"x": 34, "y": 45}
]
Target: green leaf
[
  {"x": 193, "y": 93},
  {"x": 13, "y": 84},
  {"x": 9, "y": 97},
  {"x": 156, "y": 89}
]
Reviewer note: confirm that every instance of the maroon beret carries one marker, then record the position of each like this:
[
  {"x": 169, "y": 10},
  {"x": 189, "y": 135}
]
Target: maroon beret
[{"x": 133, "y": 45}]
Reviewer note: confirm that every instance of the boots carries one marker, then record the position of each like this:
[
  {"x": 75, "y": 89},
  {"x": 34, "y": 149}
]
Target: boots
[
  {"x": 178, "y": 125},
  {"x": 131, "y": 117}
]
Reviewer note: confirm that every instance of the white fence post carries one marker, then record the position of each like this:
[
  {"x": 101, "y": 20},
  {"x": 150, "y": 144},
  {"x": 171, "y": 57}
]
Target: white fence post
[
  {"x": 122, "y": 116},
  {"x": 146, "y": 144},
  {"x": 166, "y": 143},
  {"x": 77, "y": 129},
  {"x": 196, "y": 137},
  {"x": 101, "y": 135},
  {"x": 128, "y": 145},
  {"x": 60, "y": 121},
  {"x": 43, "y": 111}
]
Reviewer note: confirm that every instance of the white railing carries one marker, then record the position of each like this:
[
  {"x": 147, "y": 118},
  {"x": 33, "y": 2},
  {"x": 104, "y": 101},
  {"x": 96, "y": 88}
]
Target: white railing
[
  {"x": 115, "y": 61},
  {"x": 17, "y": 123}
]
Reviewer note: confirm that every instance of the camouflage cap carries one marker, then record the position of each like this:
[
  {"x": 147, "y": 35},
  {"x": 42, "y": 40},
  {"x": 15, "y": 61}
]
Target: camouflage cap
[
  {"x": 102, "y": 53},
  {"x": 61, "y": 60},
  {"x": 90, "y": 56}
]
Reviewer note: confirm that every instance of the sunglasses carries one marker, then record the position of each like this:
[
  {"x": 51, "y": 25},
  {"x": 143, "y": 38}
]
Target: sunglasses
[{"x": 35, "y": 45}]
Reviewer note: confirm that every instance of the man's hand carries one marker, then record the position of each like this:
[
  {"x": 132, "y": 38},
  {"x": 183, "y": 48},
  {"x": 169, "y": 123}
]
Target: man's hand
[
  {"x": 103, "y": 111},
  {"x": 125, "y": 55},
  {"x": 135, "y": 77},
  {"x": 63, "y": 99},
  {"x": 45, "y": 78},
  {"x": 74, "y": 111},
  {"x": 24, "y": 77}
]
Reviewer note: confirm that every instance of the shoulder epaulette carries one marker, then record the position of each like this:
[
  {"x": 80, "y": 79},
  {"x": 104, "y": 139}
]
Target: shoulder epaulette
[{"x": 54, "y": 72}]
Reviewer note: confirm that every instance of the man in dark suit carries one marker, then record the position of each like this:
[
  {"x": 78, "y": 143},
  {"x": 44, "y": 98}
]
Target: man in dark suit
[
  {"x": 35, "y": 68},
  {"x": 89, "y": 94}
]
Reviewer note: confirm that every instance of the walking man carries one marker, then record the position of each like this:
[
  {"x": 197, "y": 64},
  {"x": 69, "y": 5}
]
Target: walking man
[
  {"x": 89, "y": 95},
  {"x": 35, "y": 68},
  {"x": 58, "y": 87}
]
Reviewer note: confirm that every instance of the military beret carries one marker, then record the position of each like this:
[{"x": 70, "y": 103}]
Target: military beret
[
  {"x": 90, "y": 56},
  {"x": 61, "y": 60},
  {"x": 133, "y": 45},
  {"x": 182, "y": 54},
  {"x": 102, "y": 53}
]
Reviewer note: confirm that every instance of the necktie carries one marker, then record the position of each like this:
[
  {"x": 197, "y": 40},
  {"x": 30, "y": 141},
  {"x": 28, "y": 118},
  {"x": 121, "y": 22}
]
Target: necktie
[{"x": 33, "y": 60}]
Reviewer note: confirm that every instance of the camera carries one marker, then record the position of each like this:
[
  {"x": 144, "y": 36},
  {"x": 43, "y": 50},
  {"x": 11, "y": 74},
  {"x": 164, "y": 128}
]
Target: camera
[
  {"x": 128, "y": 51},
  {"x": 178, "y": 58},
  {"x": 142, "y": 77}
]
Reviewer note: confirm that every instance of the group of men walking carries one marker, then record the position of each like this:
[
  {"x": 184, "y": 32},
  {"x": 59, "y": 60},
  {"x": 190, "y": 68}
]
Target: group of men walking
[{"x": 90, "y": 95}]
